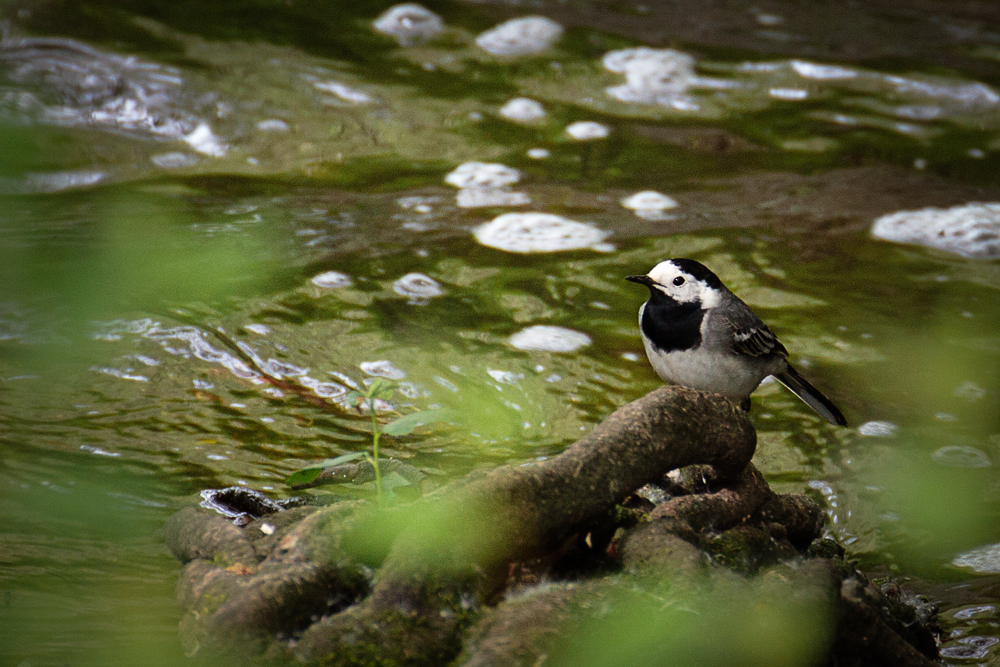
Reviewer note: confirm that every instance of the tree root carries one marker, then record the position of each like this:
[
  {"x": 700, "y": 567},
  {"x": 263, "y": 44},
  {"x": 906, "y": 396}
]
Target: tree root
[{"x": 443, "y": 577}]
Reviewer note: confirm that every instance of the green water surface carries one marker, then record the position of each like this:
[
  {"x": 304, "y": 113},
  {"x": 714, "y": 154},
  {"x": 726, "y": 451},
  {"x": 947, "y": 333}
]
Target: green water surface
[{"x": 126, "y": 304}]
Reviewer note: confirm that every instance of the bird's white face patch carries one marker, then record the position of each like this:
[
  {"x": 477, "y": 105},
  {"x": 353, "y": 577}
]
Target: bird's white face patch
[{"x": 690, "y": 290}]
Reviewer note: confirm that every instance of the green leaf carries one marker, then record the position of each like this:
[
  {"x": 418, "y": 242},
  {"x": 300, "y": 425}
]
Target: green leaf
[
  {"x": 380, "y": 388},
  {"x": 394, "y": 480},
  {"x": 311, "y": 472},
  {"x": 405, "y": 425},
  {"x": 353, "y": 396}
]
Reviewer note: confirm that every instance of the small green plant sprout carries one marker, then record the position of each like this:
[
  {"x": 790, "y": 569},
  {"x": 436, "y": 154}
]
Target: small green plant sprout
[{"x": 379, "y": 389}]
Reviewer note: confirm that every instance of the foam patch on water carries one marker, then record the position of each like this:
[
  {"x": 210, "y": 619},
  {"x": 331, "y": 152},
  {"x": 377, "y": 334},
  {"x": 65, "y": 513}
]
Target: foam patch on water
[
  {"x": 518, "y": 37},
  {"x": 538, "y": 153},
  {"x": 815, "y": 71},
  {"x": 652, "y": 76},
  {"x": 482, "y": 175},
  {"x": 173, "y": 160},
  {"x": 504, "y": 377},
  {"x": 523, "y": 110},
  {"x": 123, "y": 373},
  {"x": 587, "y": 130},
  {"x": 484, "y": 184},
  {"x": 549, "y": 339},
  {"x": 273, "y": 125},
  {"x": 203, "y": 140},
  {"x": 383, "y": 369},
  {"x": 53, "y": 181},
  {"x": 970, "y": 391},
  {"x": 344, "y": 93},
  {"x": 409, "y": 24},
  {"x": 418, "y": 287},
  {"x": 482, "y": 197},
  {"x": 878, "y": 429},
  {"x": 192, "y": 343},
  {"x": 538, "y": 232},
  {"x": 972, "y": 230},
  {"x": 962, "y": 456},
  {"x": 331, "y": 280},
  {"x": 984, "y": 560},
  {"x": 67, "y": 83},
  {"x": 789, "y": 94},
  {"x": 649, "y": 204}
]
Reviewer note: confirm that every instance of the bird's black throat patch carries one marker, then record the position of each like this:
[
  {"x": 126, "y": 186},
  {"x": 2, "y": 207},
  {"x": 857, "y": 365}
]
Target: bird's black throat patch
[{"x": 671, "y": 325}]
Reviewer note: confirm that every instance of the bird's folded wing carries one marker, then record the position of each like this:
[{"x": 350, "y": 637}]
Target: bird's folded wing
[{"x": 756, "y": 340}]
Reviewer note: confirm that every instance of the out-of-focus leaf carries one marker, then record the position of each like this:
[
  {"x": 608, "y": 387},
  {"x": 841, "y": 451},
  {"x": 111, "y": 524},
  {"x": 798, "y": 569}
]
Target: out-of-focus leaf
[
  {"x": 394, "y": 480},
  {"x": 311, "y": 472},
  {"x": 405, "y": 425}
]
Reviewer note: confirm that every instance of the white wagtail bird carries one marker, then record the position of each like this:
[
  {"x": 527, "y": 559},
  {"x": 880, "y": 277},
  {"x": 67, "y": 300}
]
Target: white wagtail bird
[{"x": 699, "y": 334}]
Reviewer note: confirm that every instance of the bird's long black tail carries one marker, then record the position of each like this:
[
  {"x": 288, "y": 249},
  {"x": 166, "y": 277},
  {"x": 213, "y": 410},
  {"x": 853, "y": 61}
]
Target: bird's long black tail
[{"x": 811, "y": 396}]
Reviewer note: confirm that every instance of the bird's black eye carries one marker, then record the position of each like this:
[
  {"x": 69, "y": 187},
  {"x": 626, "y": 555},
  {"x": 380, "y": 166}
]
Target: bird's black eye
[{"x": 678, "y": 281}]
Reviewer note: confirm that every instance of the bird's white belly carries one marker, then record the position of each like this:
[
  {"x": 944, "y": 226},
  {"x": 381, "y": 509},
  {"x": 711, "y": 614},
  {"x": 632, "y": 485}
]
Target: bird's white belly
[{"x": 707, "y": 371}]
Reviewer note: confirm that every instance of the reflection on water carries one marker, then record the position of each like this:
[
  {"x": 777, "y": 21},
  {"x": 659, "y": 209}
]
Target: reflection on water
[{"x": 160, "y": 336}]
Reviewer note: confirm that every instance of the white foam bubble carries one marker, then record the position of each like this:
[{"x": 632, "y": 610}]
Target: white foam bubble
[
  {"x": 383, "y": 369},
  {"x": 504, "y": 377},
  {"x": 984, "y": 560},
  {"x": 961, "y": 456},
  {"x": 273, "y": 125},
  {"x": 409, "y": 23},
  {"x": 651, "y": 75},
  {"x": 970, "y": 391},
  {"x": 822, "y": 72},
  {"x": 972, "y": 230},
  {"x": 537, "y": 232},
  {"x": 345, "y": 93},
  {"x": 538, "y": 153},
  {"x": 323, "y": 389},
  {"x": 482, "y": 175},
  {"x": 518, "y": 37},
  {"x": 418, "y": 287},
  {"x": 878, "y": 429},
  {"x": 482, "y": 197},
  {"x": 587, "y": 130},
  {"x": 523, "y": 110},
  {"x": 173, "y": 160},
  {"x": 648, "y": 200},
  {"x": 123, "y": 373},
  {"x": 203, "y": 140},
  {"x": 549, "y": 339},
  {"x": 331, "y": 280},
  {"x": 790, "y": 94},
  {"x": 197, "y": 346}
]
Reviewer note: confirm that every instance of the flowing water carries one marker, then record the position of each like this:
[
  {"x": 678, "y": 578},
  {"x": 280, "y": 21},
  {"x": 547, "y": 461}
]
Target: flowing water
[{"x": 219, "y": 219}]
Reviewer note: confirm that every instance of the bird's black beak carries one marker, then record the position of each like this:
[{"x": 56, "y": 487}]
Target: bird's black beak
[{"x": 642, "y": 280}]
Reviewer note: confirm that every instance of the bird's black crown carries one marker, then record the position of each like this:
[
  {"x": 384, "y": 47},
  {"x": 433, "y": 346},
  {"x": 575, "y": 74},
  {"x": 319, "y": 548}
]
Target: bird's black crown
[{"x": 698, "y": 271}]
